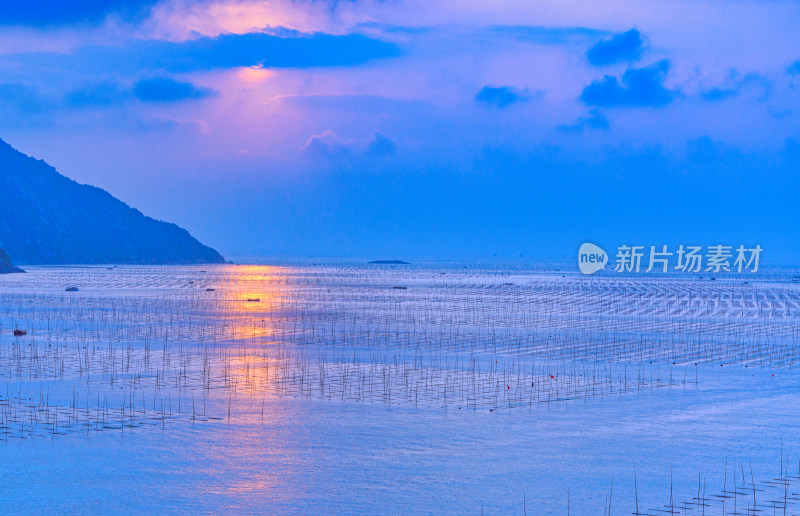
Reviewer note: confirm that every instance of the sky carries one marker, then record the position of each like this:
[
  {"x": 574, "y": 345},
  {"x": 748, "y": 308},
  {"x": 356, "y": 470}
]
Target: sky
[{"x": 420, "y": 129}]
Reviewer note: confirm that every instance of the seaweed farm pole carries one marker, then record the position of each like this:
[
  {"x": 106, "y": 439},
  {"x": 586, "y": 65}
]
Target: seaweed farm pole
[{"x": 635, "y": 489}]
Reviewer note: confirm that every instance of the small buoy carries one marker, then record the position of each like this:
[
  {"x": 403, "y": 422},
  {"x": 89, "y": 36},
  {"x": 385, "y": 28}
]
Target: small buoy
[{"x": 552, "y": 377}]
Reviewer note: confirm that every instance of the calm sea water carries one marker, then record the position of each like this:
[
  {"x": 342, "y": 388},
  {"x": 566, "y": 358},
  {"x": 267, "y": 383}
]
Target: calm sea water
[{"x": 341, "y": 389}]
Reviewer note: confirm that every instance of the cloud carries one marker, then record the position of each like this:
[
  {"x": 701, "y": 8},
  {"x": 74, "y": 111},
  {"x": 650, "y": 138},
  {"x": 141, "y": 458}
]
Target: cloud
[
  {"x": 155, "y": 89},
  {"x": 705, "y": 151},
  {"x": 329, "y": 145},
  {"x": 281, "y": 48},
  {"x": 164, "y": 89},
  {"x": 325, "y": 145},
  {"x": 501, "y": 96},
  {"x": 717, "y": 93},
  {"x": 68, "y": 12},
  {"x": 619, "y": 48},
  {"x": 101, "y": 94},
  {"x": 380, "y": 145},
  {"x": 736, "y": 84},
  {"x": 24, "y": 106},
  {"x": 638, "y": 87},
  {"x": 357, "y": 103},
  {"x": 537, "y": 34},
  {"x": 545, "y": 35},
  {"x": 596, "y": 120},
  {"x": 111, "y": 93},
  {"x": 791, "y": 149},
  {"x": 22, "y": 99},
  {"x": 284, "y": 49}
]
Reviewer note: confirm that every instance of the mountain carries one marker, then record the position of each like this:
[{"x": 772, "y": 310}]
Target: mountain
[
  {"x": 5, "y": 264},
  {"x": 46, "y": 218}
]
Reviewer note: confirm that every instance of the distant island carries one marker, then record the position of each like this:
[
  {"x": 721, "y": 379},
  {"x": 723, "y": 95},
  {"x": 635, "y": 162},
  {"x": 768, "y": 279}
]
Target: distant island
[
  {"x": 48, "y": 219},
  {"x": 5, "y": 264},
  {"x": 389, "y": 262}
]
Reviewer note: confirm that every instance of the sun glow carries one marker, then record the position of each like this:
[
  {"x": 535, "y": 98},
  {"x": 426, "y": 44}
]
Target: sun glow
[{"x": 254, "y": 73}]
